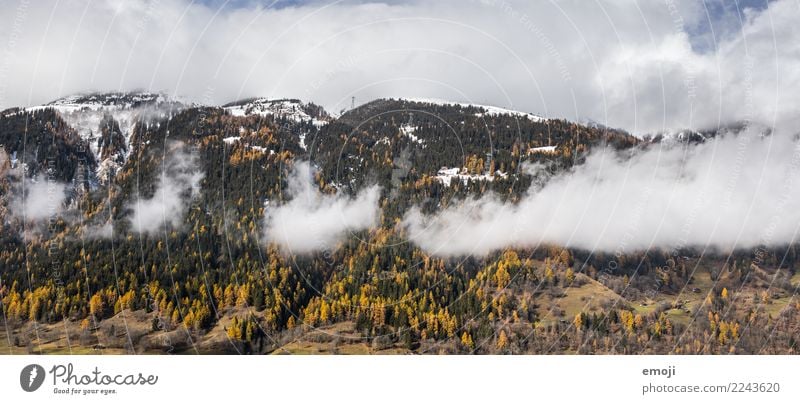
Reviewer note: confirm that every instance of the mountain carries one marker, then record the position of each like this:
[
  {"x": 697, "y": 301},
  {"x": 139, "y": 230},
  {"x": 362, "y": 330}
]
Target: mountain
[
  {"x": 285, "y": 110},
  {"x": 109, "y": 100},
  {"x": 85, "y": 111},
  {"x": 293, "y": 109},
  {"x": 114, "y": 140},
  {"x": 138, "y": 212},
  {"x": 106, "y": 120},
  {"x": 433, "y": 136}
]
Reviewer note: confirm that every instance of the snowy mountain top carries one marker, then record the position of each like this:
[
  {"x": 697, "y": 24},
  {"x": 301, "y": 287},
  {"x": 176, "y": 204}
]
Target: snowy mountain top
[
  {"x": 488, "y": 110},
  {"x": 292, "y": 109},
  {"x": 87, "y": 111},
  {"x": 109, "y": 101}
]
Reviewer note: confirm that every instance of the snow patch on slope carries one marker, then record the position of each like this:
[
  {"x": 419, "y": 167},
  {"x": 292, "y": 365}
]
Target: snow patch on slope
[
  {"x": 236, "y": 139},
  {"x": 542, "y": 150},
  {"x": 408, "y": 131},
  {"x": 488, "y": 110},
  {"x": 447, "y": 175}
]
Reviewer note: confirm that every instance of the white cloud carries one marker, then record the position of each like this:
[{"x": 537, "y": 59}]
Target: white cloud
[
  {"x": 103, "y": 231},
  {"x": 624, "y": 64},
  {"x": 178, "y": 182},
  {"x": 314, "y": 221},
  {"x": 731, "y": 192},
  {"x": 42, "y": 199}
]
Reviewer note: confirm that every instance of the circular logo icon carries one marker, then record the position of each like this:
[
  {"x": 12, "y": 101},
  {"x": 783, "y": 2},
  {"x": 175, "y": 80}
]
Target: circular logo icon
[{"x": 31, "y": 377}]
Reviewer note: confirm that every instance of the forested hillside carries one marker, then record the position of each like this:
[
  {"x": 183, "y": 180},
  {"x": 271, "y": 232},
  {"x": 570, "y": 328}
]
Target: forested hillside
[{"x": 165, "y": 249}]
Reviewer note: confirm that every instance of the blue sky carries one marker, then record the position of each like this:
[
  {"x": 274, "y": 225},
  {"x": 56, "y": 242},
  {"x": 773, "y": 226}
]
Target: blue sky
[{"x": 722, "y": 19}]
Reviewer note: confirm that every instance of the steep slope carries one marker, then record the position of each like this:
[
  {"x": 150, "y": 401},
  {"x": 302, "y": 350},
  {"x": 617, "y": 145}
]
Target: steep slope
[
  {"x": 42, "y": 142},
  {"x": 106, "y": 121}
]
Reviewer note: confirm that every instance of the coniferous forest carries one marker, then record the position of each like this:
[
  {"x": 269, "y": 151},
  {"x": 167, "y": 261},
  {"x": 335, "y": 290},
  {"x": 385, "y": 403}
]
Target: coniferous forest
[{"x": 146, "y": 234}]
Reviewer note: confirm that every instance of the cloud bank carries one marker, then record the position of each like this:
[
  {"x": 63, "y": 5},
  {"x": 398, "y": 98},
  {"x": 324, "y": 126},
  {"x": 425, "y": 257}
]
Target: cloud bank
[
  {"x": 630, "y": 65},
  {"x": 178, "y": 182},
  {"x": 314, "y": 221},
  {"x": 735, "y": 191}
]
